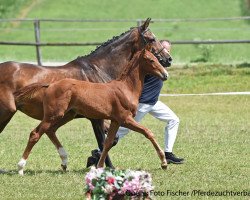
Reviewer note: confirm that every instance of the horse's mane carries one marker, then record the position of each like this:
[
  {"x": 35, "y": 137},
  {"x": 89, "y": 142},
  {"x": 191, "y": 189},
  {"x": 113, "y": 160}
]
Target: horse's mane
[{"x": 104, "y": 44}]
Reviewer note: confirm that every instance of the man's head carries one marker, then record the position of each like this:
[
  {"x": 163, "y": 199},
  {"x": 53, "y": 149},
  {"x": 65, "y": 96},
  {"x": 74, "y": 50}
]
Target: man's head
[{"x": 166, "y": 44}]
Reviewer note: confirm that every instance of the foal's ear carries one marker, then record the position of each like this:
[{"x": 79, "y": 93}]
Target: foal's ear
[
  {"x": 145, "y": 25},
  {"x": 143, "y": 52},
  {"x": 148, "y": 47}
]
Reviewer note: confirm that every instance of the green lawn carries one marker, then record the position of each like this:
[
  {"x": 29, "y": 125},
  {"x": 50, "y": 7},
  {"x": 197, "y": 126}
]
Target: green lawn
[{"x": 213, "y": 138}]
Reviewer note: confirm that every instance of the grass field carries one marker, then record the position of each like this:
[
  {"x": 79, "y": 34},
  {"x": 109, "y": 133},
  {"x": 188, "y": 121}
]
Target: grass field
[
  {"x": 139, "y": 9},
  {"x": 213, "y": 137}
]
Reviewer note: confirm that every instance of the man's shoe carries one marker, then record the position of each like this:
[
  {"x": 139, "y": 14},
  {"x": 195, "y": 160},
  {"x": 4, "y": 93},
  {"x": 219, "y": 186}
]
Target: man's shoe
[
  {"x": 96, "y": 154},
  {"x": 91, "y": 161},
  {"x": 171, "y": 158},
  {"x": 94, "y": 158}
]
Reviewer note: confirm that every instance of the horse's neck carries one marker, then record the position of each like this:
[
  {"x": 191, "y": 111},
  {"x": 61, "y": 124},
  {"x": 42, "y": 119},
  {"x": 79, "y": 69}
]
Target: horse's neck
[
  {"x": 112, "y": 65},
  {"x": 117, "y": 58},
  {"x": 64, "y": 72}
]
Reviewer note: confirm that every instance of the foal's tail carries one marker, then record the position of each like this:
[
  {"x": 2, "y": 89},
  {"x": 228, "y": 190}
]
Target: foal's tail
[{"x": 28, "y": 92}]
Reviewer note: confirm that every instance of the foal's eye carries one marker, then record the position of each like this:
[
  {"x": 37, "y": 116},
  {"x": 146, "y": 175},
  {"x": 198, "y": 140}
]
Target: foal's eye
[{"x": 151, "y": 61}]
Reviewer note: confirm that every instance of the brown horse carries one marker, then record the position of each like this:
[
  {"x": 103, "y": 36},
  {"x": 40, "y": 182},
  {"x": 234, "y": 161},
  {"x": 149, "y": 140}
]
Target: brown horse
[
  {"x": 116, "y": 101},
  {"x": 102, "y": 65}
]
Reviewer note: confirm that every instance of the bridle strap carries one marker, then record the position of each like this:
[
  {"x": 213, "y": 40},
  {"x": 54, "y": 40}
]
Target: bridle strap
[
  {"x": 145, "y": 41},
  {"x": 142, "y": 35},
  {"x": 157, "y": 53}
]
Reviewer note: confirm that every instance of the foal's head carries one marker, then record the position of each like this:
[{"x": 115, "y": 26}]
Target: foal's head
[{"x": 150, "y": 65}]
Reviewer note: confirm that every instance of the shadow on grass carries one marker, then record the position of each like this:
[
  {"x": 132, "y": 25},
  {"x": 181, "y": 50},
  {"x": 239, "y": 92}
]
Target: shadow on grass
[{"x": 37, "y": 172}]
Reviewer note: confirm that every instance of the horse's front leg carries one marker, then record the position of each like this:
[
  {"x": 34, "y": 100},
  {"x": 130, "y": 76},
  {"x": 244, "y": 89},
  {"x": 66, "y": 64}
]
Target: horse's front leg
[
  {"x": 7, "y": 106},
  {"x": 108, "y": 142},
  {"x": 135, "y": 126},
  {"x": 98, "y": 128}
]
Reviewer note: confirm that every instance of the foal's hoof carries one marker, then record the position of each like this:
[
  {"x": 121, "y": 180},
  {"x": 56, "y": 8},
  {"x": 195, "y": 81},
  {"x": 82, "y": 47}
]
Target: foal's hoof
[
  {"x": 164, "y": 166},
  {"x": 64, "y": 167},
  {"x": 20, "y": 170}
]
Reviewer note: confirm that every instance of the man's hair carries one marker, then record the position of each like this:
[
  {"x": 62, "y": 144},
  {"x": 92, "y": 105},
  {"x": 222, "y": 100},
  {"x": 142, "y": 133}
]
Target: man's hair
[{"x": 161, "y": 41}]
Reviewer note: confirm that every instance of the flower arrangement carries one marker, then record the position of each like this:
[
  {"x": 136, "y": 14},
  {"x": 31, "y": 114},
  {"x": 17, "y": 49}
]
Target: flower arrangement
[{"x": 111, "y": 184}]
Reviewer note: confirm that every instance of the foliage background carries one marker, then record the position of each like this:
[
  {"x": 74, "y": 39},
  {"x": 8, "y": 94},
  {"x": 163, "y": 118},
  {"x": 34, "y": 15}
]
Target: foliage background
[{"x": 139, "y": 9}]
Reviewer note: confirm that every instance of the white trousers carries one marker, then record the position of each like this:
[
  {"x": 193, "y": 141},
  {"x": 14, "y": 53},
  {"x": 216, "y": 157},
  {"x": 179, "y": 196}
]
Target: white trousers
[{"x": 161, "y": 112}]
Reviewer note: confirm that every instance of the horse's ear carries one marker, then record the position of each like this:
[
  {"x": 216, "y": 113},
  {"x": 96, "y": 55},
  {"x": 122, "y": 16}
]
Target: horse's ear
[{"x": 145, "y": 25}]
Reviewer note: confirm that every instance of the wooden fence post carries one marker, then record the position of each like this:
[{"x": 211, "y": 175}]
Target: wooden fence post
[
  {"x": 139, "y": 22},
  {"x": 37, "y": 38}
]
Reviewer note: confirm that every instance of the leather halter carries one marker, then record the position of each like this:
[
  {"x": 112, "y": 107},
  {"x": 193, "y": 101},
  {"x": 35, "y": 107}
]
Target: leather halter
[
  {"x": 146, "y": 42},
  {"x": 156, "y": 54}
]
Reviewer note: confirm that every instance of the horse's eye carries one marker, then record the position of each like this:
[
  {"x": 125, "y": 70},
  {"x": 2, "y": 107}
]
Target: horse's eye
[
  {"x": 151, "y": 61},
  {"x": 152, "y": 40}
]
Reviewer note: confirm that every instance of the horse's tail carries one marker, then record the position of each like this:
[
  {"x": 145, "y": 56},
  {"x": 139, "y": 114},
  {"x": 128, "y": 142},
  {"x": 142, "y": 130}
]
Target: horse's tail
[{"x": 28, "y": 91}]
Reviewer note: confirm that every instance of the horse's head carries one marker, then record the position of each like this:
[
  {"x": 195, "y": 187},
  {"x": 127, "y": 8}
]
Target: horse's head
[
  {"x": 151, "y": 65},
  {"x": 148, "y": 38}
]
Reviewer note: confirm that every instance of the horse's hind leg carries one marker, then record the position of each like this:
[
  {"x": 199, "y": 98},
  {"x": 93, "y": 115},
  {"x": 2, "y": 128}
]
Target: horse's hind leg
[
  {"x": 52, "y": 136},
  {"x": 62, "y": 153},
  {"x": 135, "y": 126},
  {"x": 98, "y": 128},
  {"x": 7, "y": 106}
]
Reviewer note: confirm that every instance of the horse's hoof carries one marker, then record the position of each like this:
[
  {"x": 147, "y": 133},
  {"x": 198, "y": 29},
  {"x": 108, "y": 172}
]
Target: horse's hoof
[
  {"x": 20, "y": 172},
  {"x": 64, "y": 167},
  {"x": 164, "y": 166}
]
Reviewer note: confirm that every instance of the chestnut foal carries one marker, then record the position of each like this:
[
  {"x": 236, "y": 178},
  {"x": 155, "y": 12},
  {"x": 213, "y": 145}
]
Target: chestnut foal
[{"x": 116, "y": 101}]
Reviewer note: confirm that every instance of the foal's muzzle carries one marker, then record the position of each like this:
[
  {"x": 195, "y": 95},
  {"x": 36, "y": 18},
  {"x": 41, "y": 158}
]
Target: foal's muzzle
[{"x": 165, "y": 75}]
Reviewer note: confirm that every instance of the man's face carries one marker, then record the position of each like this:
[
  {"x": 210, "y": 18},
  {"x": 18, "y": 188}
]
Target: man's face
[{"x": 166, "y": 45}]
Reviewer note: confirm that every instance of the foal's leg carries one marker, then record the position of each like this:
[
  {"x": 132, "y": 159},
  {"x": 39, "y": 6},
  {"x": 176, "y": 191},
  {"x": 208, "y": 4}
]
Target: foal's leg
[
  {"x": 61, "y": 151},
  {"x": 98, "y": 128},
  {"x": 135, "y": 126},
  {"x": 7, "y": 106},
  {"x": 108, "y": 142},
  {"x": 35, "y": 135},
  {"x": 52, "y": 136}
]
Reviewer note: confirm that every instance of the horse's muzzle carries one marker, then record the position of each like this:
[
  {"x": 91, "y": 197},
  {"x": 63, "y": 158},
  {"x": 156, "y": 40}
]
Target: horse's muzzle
[{"x": 166, "y": 63}]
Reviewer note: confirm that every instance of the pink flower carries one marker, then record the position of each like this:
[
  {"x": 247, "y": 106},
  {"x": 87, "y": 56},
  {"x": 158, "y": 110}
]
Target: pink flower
[{"x": 110, "y": 180}]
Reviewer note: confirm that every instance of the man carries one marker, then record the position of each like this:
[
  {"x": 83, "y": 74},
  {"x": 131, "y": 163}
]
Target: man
[{"x": 149, "y": 103}]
